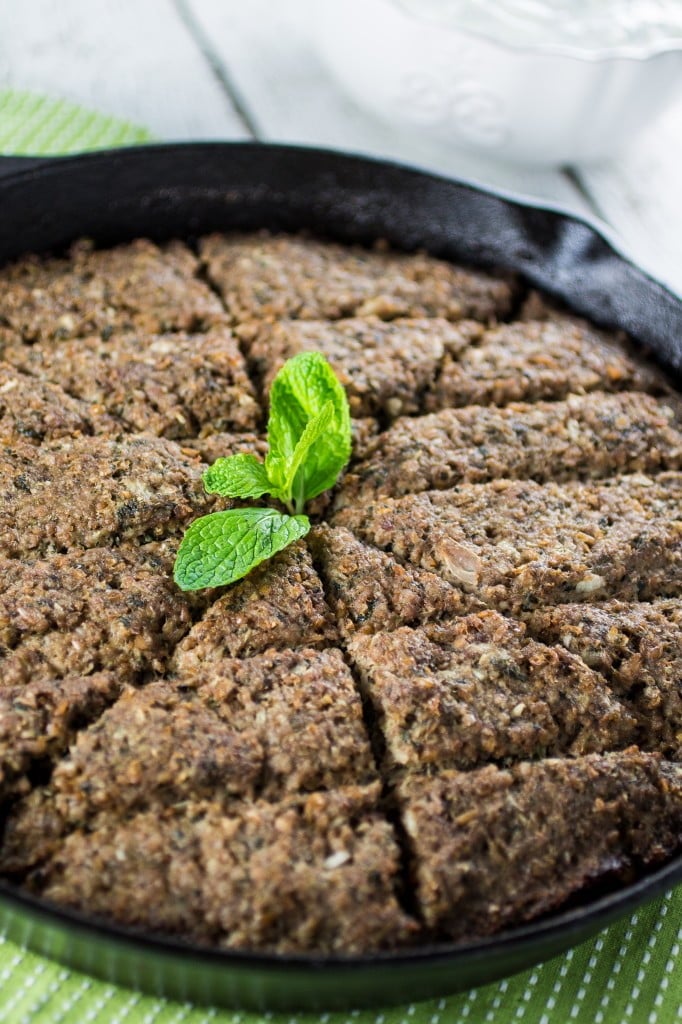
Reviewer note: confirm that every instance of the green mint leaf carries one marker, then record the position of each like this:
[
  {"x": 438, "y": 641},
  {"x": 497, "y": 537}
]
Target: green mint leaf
[
  {"x": 299, "y": 393},
  {"x": 239, "y": 476},
  {"x": 314, "y": 430},
  {"x": 224, "y": 546}
]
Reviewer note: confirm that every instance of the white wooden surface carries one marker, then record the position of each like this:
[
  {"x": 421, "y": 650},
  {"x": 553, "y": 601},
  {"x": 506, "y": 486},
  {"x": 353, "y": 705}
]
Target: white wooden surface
[{"x": 232, "y": 69}]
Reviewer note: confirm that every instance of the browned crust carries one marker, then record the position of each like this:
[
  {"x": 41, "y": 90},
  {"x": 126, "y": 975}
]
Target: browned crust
[
  {"x": 171, "y": 385},
  {"x": 95, "y": 491},
  {"x": 260, "y": 277},
  {"x": 270, "y": 726},
  {"x": 33, "y": 411},
  {"x": 137, "y": 286},
  {"x": 221, "y": 445},
  {"x": 385, "y": 367},
  {"x": 459, "y": 694},
  {"x": 38, "y": 721},
  {"x": 638, "y": 650},
  {"x": 316, "y": 873},
  {"x": 541, "y": 359},
  {"x": 114, "y": 609},
  {"x": 584, "y": 436},
  {"x": 279, "y": 605},
  {"x": 370, "y": 592},
  {"x": 518, "y": 545},
  {"x": 497, "y": 846}
]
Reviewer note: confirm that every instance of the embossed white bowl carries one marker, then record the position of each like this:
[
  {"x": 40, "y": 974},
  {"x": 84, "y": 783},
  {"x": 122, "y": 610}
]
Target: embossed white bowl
[{"x": 543, "y": 105}]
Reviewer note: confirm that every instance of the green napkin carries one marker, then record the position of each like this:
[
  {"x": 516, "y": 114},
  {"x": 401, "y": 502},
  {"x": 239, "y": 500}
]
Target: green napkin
[
  {"x": 630, "y": 974},
  {"x": 41, "y": 126}
]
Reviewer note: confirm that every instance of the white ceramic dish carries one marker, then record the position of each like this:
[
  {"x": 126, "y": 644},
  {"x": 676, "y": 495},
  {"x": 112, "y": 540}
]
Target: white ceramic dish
[{"x": 544, "y": 104}]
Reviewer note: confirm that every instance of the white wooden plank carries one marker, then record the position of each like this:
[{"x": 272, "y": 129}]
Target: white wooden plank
[
  {"x": 268, "y": 53},
  {"x": 131, "y": 58},
  {"x": 640, "y": 194}
]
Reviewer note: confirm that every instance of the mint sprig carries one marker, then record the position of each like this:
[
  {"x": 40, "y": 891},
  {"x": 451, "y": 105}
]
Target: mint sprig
[{"x": 309, "y": 443}]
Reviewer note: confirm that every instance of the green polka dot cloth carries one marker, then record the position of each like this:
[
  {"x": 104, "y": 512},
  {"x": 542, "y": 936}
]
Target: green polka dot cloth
[{"x": 631, "y": 973}]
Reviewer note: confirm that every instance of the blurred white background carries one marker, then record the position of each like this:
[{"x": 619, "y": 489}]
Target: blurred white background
[{"x": 237, "y": 69}]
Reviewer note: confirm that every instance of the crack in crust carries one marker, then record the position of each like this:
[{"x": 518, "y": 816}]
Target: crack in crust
[{"x": 213, "y": 753}]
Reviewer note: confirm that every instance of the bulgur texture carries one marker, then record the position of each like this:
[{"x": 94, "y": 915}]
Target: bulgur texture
[
  {"x": 638, "y": 649},
  {"x": 458, "y": 694},
  {"x": 138, "y": 286},
  {"x": 304, "y": 708},
  {"x": 261, "y": 277},
  {"x": 34, "y": 411},
  {"x": 497, "y": 846},
  {"x": 385, "y": 367},
  {"x": 519, "y": 545},
  {"x": 583, "y": 436},
  {"x": 113, "y": 609},
  {"x": 221, "y": 445},
  {"x": 172, "y": 385},
  {"x": 540, "y": 359},
  {"x": 269, "y": 726},
  {"x": 454, "y": 706},
  {"x": 310, "y": 874},
  {"x": 370, "y": 592},
  {"x": 84, "y": 492},
  {"x": 39, "y": 719},
  {"x": 279, "y": 605}
]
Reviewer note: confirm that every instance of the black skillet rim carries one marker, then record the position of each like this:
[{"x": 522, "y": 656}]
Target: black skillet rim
[{"x": 595, "y": 913}]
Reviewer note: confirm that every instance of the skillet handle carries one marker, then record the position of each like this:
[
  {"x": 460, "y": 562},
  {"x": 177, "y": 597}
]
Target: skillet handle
[{"x": 14, "y": 164}]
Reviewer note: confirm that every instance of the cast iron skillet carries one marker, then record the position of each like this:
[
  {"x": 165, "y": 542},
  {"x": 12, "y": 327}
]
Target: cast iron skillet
[{"x": 181, "y": 191}]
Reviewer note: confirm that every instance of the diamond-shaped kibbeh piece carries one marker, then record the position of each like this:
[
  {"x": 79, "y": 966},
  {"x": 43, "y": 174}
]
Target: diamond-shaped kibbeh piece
[
  {"x": 95, "y": 492},
  {"x": 315, "y": 873},
  {"x": 517, "y": 545},
  {"x": 261, "y": 276},
  {"x": 584, "y": 436},
  {"x": 136, "y": 286},
  {"x": 280, "y": 604},
  {"x": 171, "y": 385},
  {"x": 497, "y": 846},
  {"x": 458, "y": 694}
]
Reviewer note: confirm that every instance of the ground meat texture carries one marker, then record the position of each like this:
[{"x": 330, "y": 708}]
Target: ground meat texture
[
  {"x": 138, "y": 286},
  {"x": 171, "y": 385},
  {"x": 264, "y": 277},
  {"x": 305, "y": 710},
  {"x": 145, "y": 872},
  {"x": 638, "y": 649},
  {"x": 75, "y": 614},
  {"x": 312, "y": 874},
  {"x": 84, "y": 492},
  {"x": 458, "y": 694},
  {"x": 495, "y": 847},
  {"x": 33, "y": 830},
  {"x": 34, "y": 411},
  {"x": 38, "y": 721},
  {"x": 550, "y": 359},
  {"x": 279, "y": 605},
  {"x": 157, "y": 746},
  {"x": 261, "y": 727},
  {"x": 584, "y": 436},
  {"x": 518, "y": 545},
  {"x": 370, "y": 592},
  {"x": 482, "y": 623},
  {"x": 221, "y": 445},
  {"x": 384, "y": 367}
]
